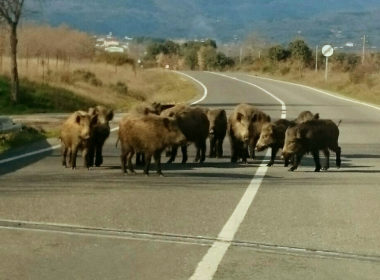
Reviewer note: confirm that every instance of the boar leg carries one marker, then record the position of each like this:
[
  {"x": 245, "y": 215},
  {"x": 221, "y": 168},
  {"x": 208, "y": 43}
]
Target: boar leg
[
  {"x": 337, "y": 151},
  {"x": 316, "y": 160},
  {"x": 219, "y": 145},
  {"x": 64, "y": 155},
  {"x": 184, "y": 153},
  {"x": 73, "y": 157},
  {"x": 129, "y": 162},
  {"x": 173, "y": 154},
  {"x": 234, "y": 151},
  {"x": 91, "y": 154},
  {"x": 326, "y": 152},
  {"x": 213, "y": 143},
  {"x": 157, "y": 160},
  {"x": 148, "y": 158},
  {"x": 201, "y": 151},
  {"x": 123, "y": 158},
  {"x": 273, "y": 155},
  {"x": 296, "y": 159},
  {"x": 99, "y": 155}
]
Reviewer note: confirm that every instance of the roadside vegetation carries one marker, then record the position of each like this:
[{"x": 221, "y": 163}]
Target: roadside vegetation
[{"x": 349, "y": 73}]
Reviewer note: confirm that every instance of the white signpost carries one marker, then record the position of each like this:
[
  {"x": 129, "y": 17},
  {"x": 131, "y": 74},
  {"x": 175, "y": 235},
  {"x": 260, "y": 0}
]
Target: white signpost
[{"x": 327, "y": 51}]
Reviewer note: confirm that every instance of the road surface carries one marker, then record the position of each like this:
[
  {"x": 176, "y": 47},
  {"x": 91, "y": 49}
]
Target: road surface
[{"x": 212, "y": 221}]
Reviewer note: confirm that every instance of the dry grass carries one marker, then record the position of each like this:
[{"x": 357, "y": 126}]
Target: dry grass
[
  {"x": 365, "y": 88},
  {"x": 118, "y": 87}
]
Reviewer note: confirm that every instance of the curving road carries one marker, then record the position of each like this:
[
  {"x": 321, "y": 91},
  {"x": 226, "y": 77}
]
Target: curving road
[{"x": 210, "y": 221}]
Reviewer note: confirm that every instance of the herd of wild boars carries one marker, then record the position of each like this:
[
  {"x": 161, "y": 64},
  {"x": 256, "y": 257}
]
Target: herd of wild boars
[{"x": 149, "y": 129}]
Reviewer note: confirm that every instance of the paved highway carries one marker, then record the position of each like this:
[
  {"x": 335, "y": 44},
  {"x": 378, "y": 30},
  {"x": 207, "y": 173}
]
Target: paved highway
[{"x": 210, "y": 221}]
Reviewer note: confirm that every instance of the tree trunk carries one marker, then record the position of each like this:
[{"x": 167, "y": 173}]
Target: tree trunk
[{"x": 14, "y": 71}]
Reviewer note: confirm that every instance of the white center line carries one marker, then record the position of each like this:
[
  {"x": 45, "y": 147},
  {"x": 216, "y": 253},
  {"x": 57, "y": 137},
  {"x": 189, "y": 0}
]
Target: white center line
[{"x": 209, "y": 264}]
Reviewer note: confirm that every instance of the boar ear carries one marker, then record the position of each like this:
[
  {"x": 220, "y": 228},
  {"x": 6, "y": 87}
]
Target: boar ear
[
  {"x": 94, "y": 120},
  {"x": 223, "y": 113},
  {"x": 77, "y": 119},
  {"x": 268, "y": 119},
  {"x": 110, "y": 115},
  {"x": 316, "y": 116},
  {"x": 91, "y": 111},
  {"x": 239, "y": 116},
  {"x": 255, "y": 117},
  {"x": 166, "y": 122}
]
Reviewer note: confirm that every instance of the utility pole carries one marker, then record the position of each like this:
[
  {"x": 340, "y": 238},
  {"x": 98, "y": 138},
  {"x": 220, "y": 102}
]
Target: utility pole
[
  {"x": 316, "y": 58},
  {"x": 363, "y": 52}
]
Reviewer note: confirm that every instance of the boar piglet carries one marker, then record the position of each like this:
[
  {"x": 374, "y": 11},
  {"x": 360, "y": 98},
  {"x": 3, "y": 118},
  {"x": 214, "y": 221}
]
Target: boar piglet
[
  {"x": 75, "y": 135},
  {"x": 149, "y": 134},
  {"x": 312, "y": 136},
  {"x": 273, "y": 136},
  {"x": 100, "y": 134},
  {"x": 217, "y": 131}
]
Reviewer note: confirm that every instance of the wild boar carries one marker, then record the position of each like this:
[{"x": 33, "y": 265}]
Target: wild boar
[
  {"x": 75, "y": 135},
  {"x": 194, "y": 124},
  {"x": 273, "y": 136},
  {"x": 306, "y": 116},
  {"x": 217, "y": 131},
  {"x": 244, "y": 127},
  {"x": 149, "y": 134},
  {"x": 101, "y": 131},
  {"x": 312, "y": 136}
]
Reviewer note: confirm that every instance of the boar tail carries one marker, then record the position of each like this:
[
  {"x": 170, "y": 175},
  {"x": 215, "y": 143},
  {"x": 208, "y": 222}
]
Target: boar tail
[{"x": 339, "y": 123}]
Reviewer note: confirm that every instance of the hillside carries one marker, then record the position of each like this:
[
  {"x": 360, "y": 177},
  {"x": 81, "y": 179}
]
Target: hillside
[{"x": 279, "y": 20}]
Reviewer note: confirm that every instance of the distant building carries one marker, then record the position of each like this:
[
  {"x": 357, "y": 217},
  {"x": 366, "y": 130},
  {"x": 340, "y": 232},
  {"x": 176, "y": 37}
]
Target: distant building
[
  {"x": 349, "y": 44},
  {"x": 114, "y": 49}
]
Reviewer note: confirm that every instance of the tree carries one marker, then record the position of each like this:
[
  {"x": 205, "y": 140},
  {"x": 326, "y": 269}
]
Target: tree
[
  {"x": 278, "y": 53},
  {"x": 299, "y": 50},
  {"x": 10, "y": 12}
]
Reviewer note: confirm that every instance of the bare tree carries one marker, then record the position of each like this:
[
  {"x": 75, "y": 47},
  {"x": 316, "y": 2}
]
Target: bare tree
[{"x": 10, "y": 12}]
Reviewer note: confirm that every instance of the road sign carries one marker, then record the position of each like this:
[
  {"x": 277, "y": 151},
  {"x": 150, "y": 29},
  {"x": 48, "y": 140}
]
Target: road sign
[{"x": 327, "y": 50}]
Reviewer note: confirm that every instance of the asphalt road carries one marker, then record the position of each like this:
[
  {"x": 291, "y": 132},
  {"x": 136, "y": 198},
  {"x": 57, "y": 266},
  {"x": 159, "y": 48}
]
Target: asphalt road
[{"x": 210, "y": 221}]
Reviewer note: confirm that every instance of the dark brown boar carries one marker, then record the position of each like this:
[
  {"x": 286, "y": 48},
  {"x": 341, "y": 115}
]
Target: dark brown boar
[
  {"x": 273, "y": 136},
  {"x": 312, "y": 136},
  {"x": 75, "y": 135},
  {"x": 194, "y": 124},
  {"x": 149, "y": 134},
  {"x": 100, "y": 134},
  {"x": 244, "y": 127},
  {"x": 306, "y": 116},
  {"x": 217, "y": 131}
]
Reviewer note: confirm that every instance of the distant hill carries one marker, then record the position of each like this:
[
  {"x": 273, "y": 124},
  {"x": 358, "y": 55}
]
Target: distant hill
[{"x": 280, "y": 21}]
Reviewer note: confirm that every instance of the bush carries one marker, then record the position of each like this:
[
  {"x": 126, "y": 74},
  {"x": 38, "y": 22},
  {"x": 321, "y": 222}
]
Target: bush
[
  {"x": 87, "y": 77},
  {"x": 278, "y": 53},
  {"x": 120, "y": 88}
]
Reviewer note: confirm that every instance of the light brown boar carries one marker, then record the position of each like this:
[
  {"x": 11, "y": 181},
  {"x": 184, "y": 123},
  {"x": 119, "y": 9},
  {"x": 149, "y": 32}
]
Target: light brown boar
[
  {"x": 217, "y": 131},
  {"x": 312, "y": 136},
  {"x": 100, "y": 134},
  {"x": 244, "y": 127},
  {"x": 194, "y": 124},
  {"x": 306, "y": 116},
  {"x": 273, "y": 136},
  {"x": 148, "y": 134},
  {"x": 75, "y": 135}
]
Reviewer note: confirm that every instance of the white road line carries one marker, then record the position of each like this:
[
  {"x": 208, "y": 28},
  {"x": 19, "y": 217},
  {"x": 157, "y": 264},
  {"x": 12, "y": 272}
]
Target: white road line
[
  {"x": 321, "y": 91},
  {"x": 198, "y": 82},
  {"x": 112, "y": 130},
  {"x": 29, "y": 154},
  {"x": 207, "y": 267}
]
